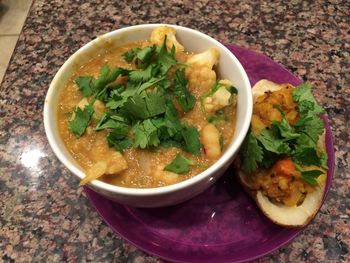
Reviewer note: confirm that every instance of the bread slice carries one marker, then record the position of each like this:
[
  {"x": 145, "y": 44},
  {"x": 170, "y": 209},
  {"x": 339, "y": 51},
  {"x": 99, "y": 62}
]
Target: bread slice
[{"x": 296, "y": 216}]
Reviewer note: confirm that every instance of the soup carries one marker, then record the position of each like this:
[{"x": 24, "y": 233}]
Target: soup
[{"x": 147, "y": 114}]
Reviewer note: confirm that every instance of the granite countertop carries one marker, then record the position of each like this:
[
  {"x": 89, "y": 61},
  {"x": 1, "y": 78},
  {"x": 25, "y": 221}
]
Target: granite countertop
[{"x": 45, "y": 216}]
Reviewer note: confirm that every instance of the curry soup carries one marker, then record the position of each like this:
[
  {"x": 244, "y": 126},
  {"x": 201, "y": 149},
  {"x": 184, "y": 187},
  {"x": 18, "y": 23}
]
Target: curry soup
[{"x": 189, "y": 134}]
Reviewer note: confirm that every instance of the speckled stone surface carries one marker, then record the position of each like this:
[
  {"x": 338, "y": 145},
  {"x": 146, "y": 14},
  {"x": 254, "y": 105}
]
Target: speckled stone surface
[{"x": 44, "y": 215}]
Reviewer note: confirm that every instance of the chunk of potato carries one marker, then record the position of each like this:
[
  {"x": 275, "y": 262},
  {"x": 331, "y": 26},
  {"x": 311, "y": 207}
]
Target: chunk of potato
[
  {"x": 210, "y": 138},
  {"x": 95, "y": 171},
  {"x": 269, "y": 105}
]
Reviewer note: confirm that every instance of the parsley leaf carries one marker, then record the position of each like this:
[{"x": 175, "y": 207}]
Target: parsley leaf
[
  {"x": 144, "y": 56},
  {"x": 164, "y": 84},
  {"x": 112, "y": 124},
  {"x": 287, "y": 132},
  {"x": 272, "y": 143},
  {"x": 149, "y": 83},
  {"x": 304, "y": 141},
  {"x": 311, "y": 176},
  {"x": 145, "y": 134},
  {"x": 179, "y": 165},
  {"x": 182, "y": 94},
  {"x": 306, "y": 156},
  {"x": 115, "y": 100},
  {"x": 141, "y": 75},
  {"x": 170, "y": 143},
  {"x": 86, "y": 85},
  {"x": 155, "y": 103},
  {"x": 130, "y": 55},
  {"x": 310, "y": 124},
  {"x": 191, "y": 138},
  {"x": 118, "y": 97},
  {"x": 302, "y": 95},
  {"x": 108, "y": 75},
  {"x": 118, "y": 139},
  {"x": 171, "y": 123},
  {"x": 81, "y": 120},
  {"x": 103, "y": 95},
  {"x": 252, "y": 154},
  {"x": 135, "y": 107},
  {"x": 166, "y": 59},
  {"x": 138, "y": 107}
]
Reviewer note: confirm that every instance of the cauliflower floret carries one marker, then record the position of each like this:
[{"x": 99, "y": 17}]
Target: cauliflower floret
[
  {"x": 200, "y": 71},
  {"x": 207, "y": 58},
  {"x": 220, "y": 99},
  {"x": 158, "y": 35}
]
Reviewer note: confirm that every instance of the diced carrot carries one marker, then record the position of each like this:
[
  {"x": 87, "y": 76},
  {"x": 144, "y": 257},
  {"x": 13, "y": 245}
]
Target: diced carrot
[{"x": 285, "y": 167}]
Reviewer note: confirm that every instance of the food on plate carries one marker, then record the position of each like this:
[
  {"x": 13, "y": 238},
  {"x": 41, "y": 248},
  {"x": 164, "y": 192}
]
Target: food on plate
[
  {"x": 148, "y": 113},
  {"x": 283, "y": 162}
]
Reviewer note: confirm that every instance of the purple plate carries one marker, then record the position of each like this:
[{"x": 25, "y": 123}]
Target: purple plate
[{"x": 220, "y": 225}]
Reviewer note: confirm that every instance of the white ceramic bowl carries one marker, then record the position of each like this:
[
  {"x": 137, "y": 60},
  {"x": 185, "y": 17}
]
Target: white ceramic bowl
[{"x": 193, "y": 41}]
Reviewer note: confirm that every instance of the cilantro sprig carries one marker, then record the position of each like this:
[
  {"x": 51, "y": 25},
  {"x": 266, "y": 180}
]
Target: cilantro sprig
[
  {"x": 311, "y": 176},
  {"x": 182, "y": 94},
  {"x": 140, "y": 111},
  {"x": 298, "y": 142},
  {"x": 252, "y": 154},
  {"x": 81, "y": 120},
  {"x": 179, "y": 165}
]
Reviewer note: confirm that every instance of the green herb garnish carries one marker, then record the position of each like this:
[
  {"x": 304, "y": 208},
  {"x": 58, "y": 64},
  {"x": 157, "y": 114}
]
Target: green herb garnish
[
  {"x": 85, "y": 85},
  {"x": 81, "y": 120},
  {"x": 298, "y": 142},
  {"x": 179, "y": 165},
  {"x": 140, "y": 111},
  {"x": 311, "y": 176},
  {"x": 182, "y": 94},
  {"x": 191, "y": 138},
  {"x": 252, "y": 154}
]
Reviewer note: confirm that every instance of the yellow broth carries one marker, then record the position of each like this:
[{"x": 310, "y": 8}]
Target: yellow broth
[{"x": 145, "y": 167}]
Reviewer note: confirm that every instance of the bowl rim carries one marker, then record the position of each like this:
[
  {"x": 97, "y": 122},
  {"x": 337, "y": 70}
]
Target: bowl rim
[{"x": 209, "y": 172}]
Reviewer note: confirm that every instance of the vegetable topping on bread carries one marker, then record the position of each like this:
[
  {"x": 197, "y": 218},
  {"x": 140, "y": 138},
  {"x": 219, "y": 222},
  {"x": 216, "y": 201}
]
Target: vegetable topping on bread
[{"x": 283, "y": 162}]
